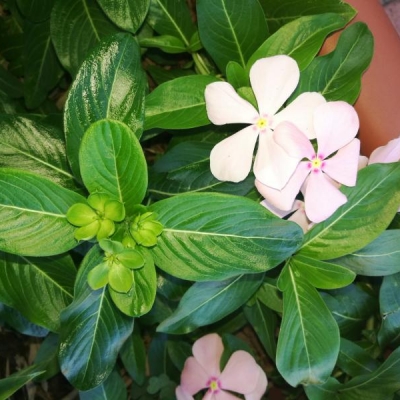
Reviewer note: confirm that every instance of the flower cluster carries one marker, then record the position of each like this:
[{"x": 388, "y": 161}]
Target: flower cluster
[
  {"x": 308, "y": 147},
  {"x": 241, "y": 374}
]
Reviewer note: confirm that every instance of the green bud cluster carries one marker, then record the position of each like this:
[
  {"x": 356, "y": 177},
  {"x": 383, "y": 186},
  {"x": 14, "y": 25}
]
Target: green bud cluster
[
  {"x": 145, "y": 229},
  {"x": 117, "y": 267},
  {"x": 97, "y": 218}
]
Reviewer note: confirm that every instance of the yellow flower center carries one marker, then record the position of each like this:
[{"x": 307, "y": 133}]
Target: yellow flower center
[
  {"x": 262, "y": 123},
  {"x": 316, "y": 163},
  {"x": 213, "y": 385}
]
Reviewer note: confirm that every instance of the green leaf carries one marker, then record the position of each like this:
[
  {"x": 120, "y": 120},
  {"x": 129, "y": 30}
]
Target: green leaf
[
  {"x": 300, "y": 39},
  {"x": 42, "y": 68},
  {"x": 171, "y": 17},
  {"x": 112, "y": 161},
  {"x": 270, "y": 296},
  {"x": 321, "y": 274},
  {"x": 236, "y": 75},
  {"x": 208, "y": 302},
  {"x": 214, "y": 237},
  {"x": 308, "y": 330},
  {"x": 77, "y": 26},
  {"x": 10, "y": 85},
  {"x": 33, "y": 214},
  {"x": 370, "y": 207},
  {"x": 47, "y": 357},
  {"x": 39, "y": 288},
  {"x": 178, "y": 104},
  {"x": 231, "y": 30},
  {"x": 281, "y": 12},
  {"x": 379, "y": 258},
  {"x": 129, "y": 16},
  {"x": 110, "y": 84},
  {"x": 35, "y": 144},
  {"x": 92, "y": 331},
  {"x": 120, "y": 278},
  {"x": 179, "y": 351},
  {"x": 169, "y": 44},
  {"x": 35, "y": 10},
  {"x": 337, "y": 75}
]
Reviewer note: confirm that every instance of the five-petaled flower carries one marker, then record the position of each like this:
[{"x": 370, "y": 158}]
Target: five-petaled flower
[
  {"x": 241, "y": 374},
  {"x": 320, "y": 173},
  {"x": 273, "y": 80}
]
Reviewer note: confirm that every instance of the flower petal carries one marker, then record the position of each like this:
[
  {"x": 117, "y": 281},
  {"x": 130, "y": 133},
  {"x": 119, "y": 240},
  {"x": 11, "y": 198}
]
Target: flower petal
[
  {"x": 336, "y": 124},
  {"x": 386, "y": 154},
  {"x": 301, "y": 112},
  {"x": 221, "y": 395},
  {"x": 225, "y": 106},
  {"x": 230, "y": 160},
  {"x": 278, "y": 212},
  {"x": 273, "y": 80},
  {"x": 260, "y": 388},
  {"x": 300, "y": 217},
  {"x": 193, "y": 378},
  {"x": 240, "y": 374},
  {"x": 362, "y": 162},
  {"x": 208, "y": 352},
  {"x": 343, "y": 166},
  {"x": 321, "y": 197},
  {"x": 283, "y": 199},
  {"x": 273, "y": 166},
  {"x": 181, "y": 394}
]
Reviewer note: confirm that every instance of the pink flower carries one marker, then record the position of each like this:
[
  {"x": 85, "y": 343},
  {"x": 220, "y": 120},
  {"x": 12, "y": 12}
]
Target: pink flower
[
  {"x": 386, "y": 154},
  {"x": 335, "y": 162},
  {"x": 241, "y": 374},
  {"x": 273, "y": 80}
]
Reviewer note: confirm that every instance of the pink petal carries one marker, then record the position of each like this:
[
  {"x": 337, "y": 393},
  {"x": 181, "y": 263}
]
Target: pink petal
[
  {"x": 225, "y": 106},
  {"x": 278, "y": 212},
  {"x": 240, "y": 374},
  {"x": 221, "y": 395},
  {"x": 273, "y": 166},
  {"x": 362, "y": 162},
  {"x": 301, "y": 112},
  {"x": 260, "y": 388},
  {"x": 273, "y": 80},
  {"x": 336, "y": 124},
  {"x": 208, "y": 351},
  {"x": 181, "y": 394},
  {"x": 283, "y": 199},
  {"x": 293, "y": 141},
  {"x": 321, "y": 198},
  {"x": 194, "y": 377},
  {"x": 386, "y": 154},
  {"x": 230, "y": 160},
  {"x": 343, "y": 166}
]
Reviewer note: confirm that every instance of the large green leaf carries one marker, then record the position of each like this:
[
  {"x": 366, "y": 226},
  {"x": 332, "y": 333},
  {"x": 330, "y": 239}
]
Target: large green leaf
[
  {"x": 281, "y": 12},
  {"x": 77, "y": 26},
  {"x": 308, "y": 343},
  {"x": 215, "y": 236},
  {"x": 39, "y": 288},
  {"x": 208, "y": 302},
  {"x": 178, "y": 104},
  {"x": 370, "y": 207},
  {"x": 92, "y": 331},
  {"x": 337, "y": 75},
  {"x": 35, "y": 144},
  {"x": 300, "y": 39},
  {"x": 127, "y": 15},
  {"x": 35, "y": 10},
  {"x": 33, "y": 214},
  {"x": 112, "y": 161},
  {"x": 110, "y": 84},
  {"x": 10, "y": 85},
  {"x": 231, "y": 30},
  {"x": 379, "y": 258}
]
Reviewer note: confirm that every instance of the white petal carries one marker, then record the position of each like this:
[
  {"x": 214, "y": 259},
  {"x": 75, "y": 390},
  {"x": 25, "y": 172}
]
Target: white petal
[
  {"x": 225, "y": 106},
  {"x": 301, "y": 112},
  {"x": 362, "y": 162},
  {"x": 230, "y": 160},
  {"x": 386, "y": 154},
  {"x": 273, "y": 166},
  {"x": 273, "y": 80}
]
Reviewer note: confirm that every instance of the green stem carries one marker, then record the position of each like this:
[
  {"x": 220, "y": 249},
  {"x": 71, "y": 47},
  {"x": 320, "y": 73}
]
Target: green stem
[{"x": 200, "y": 64}]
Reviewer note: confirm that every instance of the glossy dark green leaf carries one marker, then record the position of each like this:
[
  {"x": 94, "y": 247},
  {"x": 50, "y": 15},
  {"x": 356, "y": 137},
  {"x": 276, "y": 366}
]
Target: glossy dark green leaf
[
  {"x": 370, "y": 207},
  {"x": 77, "y": 26},
  {"x": 178, "y": 104},
  {"x": 231, "y": 30},
  {"x": 33, "y": 214},
  {"x": 110, "y": 84},
  {"x": 236, "y": 75},
  {"x": 35, "y": 10},
  {"x": 270, "y": 295},
  {"x": 47, "y": 356},
  {"x": 281, "y": 12},
  {"x": 169, "y": 44},
  {"x": 170, "y": 287},
  {"x": 112, "y": 161},
  {"x": 128, "y": 15},
  {"x": 207, "y": 302},
  {"x": 300, "y": 39},
  {"x": 379, "y": 258},
  {"x": 10, "y": 85},
  {"x": 179, "y": 351},
  {"x": 92, "y": 331},
  {"x": 308, "y": 330},
  {"x": 215, "y": 236},
  {"x": 337, "y": 75},
  {"x": 35, "y": 144}
]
